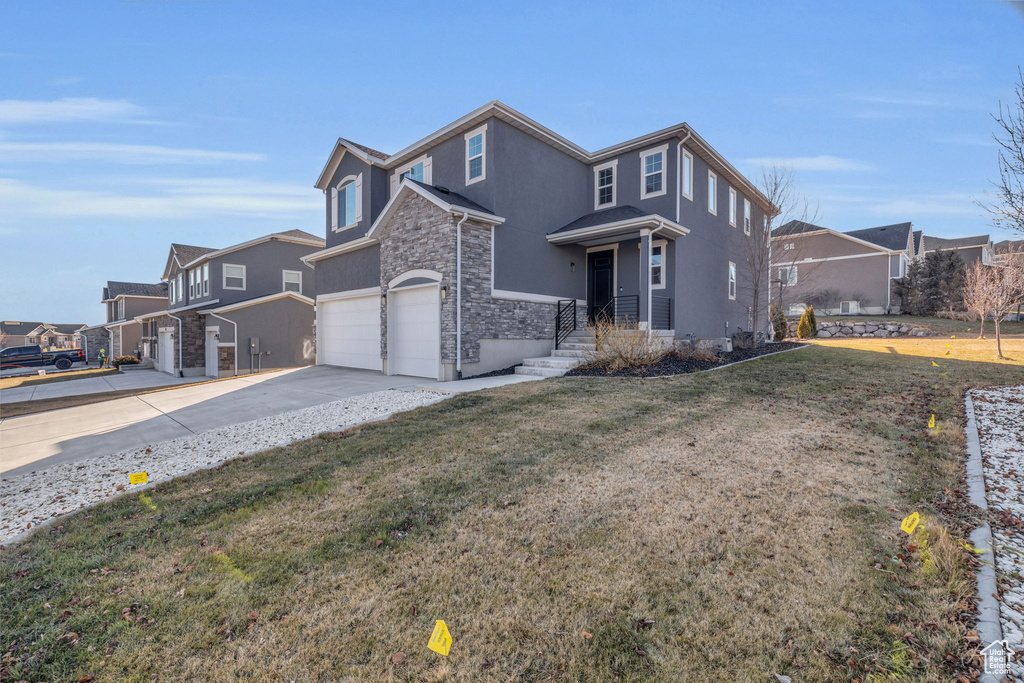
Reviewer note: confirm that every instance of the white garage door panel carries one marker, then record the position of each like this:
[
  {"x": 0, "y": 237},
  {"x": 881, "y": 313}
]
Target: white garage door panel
[
  {"x": 349, "y": 331},
  {"x": 416, "y": 318}
]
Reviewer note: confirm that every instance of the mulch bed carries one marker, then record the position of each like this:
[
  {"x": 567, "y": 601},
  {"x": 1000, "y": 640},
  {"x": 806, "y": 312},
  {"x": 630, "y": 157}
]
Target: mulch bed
[{"x": 674, "y": 365}]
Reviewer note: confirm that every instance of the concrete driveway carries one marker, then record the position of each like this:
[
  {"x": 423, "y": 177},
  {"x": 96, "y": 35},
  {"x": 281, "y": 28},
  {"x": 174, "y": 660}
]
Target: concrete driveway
[
  {"x": 129, "y": 379},
  {"x": 34, "y": 442}
]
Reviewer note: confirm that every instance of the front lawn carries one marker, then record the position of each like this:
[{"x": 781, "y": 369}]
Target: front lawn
[
  {"x": 940, "y": 325},
  {"x": 716, "y": 526}
]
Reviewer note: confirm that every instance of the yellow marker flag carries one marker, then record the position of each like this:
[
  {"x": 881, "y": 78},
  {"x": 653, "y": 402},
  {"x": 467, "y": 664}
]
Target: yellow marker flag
[
  {"x": 931, "y": 422},
  {"x": 910, "y": 523},
  {"x": 440, "y": 639},
  {"x": 138, "y": 478},
  {"x": 935, "y": 364}
]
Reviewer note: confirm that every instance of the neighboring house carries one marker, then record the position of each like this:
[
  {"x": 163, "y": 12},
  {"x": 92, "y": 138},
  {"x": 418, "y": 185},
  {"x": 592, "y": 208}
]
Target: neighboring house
[
  {"x": 60, "y": 335},
  {"x": 94, "y": 338},
  {"x": 124, "y": 301},
  {"x": 1006, "y": 251},
  {"x": 845, "y": 273},
  {"x": 453, "y": 256},
  {"x": 970, "y": 249},
  {"x": 235, "y": 310}
]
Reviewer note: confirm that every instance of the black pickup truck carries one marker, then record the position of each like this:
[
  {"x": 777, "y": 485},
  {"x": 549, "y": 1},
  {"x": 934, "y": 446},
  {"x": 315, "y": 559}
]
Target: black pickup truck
[{"x": 34, "y": 356}]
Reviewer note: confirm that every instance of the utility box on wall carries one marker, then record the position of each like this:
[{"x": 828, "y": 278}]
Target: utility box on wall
[{"x": 254, "y": 345}]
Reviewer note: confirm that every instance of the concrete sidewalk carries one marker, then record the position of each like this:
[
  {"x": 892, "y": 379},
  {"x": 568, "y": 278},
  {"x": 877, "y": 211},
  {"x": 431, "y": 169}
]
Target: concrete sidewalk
[
  {"x": 34, "y": 442},
  {"x": 130, "y": 379}
]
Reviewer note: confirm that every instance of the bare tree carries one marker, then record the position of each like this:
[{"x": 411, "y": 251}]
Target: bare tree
[
  {"x": 778, "y": 186},
  {"x": 1007, "y": 209},
  {"x": 979, "y": 287},
  {"x": 995, "y": 291}
]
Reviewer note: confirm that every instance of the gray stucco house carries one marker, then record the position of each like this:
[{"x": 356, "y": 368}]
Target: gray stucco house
[
  {"x": 235, "y": 310},
  {"x": 124, "y": 301},
  {"x": 970, "y": 249},
  {"x": 453, "y": 256},
  {"x": 844, "y": 273}
]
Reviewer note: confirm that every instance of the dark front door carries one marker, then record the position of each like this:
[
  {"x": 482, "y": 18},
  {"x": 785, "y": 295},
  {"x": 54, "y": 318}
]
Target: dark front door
[{"x": 600, "y": 282}]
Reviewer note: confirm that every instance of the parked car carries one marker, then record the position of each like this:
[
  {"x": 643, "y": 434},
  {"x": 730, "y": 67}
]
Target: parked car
[{"x": 32, "y": 356}]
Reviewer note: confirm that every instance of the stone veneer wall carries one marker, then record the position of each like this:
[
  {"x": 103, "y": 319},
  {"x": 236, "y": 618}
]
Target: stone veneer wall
[
  {"x": 861, "y": 328},
  {"x": 225, "y": 358},
  {"x": 193, "y": 341},
  {"x": 421, "y": 235},
  {"x": 96, "y": 339}
]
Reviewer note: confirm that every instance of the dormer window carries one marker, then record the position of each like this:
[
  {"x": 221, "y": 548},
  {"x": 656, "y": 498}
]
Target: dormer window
[
  {"x": 346, "y": 202},
  {"x": 652, "y": 172},
  {"x": 419, "y": 169},
  {"x": 476, "y": 151},
  {"x": 604, "y": 185}
]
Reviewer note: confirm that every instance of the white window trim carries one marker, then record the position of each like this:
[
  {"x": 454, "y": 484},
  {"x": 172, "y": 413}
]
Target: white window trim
[
  {"x": 791, "y": 275},
  {"x": 224, "y": 275},
  {"x": 482, "y": 130},
  {"x": 428, "y": 172},
  {"x": 687, "y": 176},
  {"x": 358, "y": 180},
  {"x": 854, "y": 307},
  {"x": 664, "y": 262},
  {"x": 733, "y": 208},
  {"x": 748, "y": 216},
  {"x": 713, "y": 195},
  {"x": 597, "y": 173},
  {"x": 180, "y": 288},
  {"x": 120, "y": 309},
  {"x": 284, "y": 281},
  {"x": 732, "y": 281},
  {"x": 206, "y": 279},
  {"x": 664, "y": 172},
  {"x": 192, "y": 284}
]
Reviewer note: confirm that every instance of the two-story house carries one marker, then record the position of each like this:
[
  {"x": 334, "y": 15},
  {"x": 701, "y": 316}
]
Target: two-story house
[
  {"x": 235, "y": 310},
  {"x": 124, "y": 301},
  {"x": 845, "y": 273},
  {"x": 56, "y": 335},
  {"x": 970, "y": 249},
  {"x": 455, "y": 255}
]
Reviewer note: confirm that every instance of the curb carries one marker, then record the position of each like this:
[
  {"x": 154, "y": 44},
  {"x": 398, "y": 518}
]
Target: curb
[{"x": 990, "y": 629}]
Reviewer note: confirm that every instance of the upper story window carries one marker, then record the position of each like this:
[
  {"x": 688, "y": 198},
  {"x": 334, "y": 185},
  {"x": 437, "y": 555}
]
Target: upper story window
[
  {"x": 732, "y": 207},
  {"x": 291, "y": 281},
  {"x": 180, "y": 288},
  {"x": 120, "y": 309},
  {"x": 658, "y": 264},
  {"x": 652, "y": 172},
  {"x": 346, "y": 202},
  {"x": 712, "y": 193},
  {"x": 192, "y": 284},
  {"x": 170, "y": 292},
  {"x": 234, "y": 277},
  {"x": 787, "y": 276},
  {"x": 788, "y": 246},
  {"x": 476, "y": 155},
  {"x": 746, "y": 215},
  {"x": 687, "y": 175},
  {"x": 419, "y": 169},
  {"x": 206, "y": 279},
  {"x": 732, "y": 280},
  {"x": 604, "y": 185}
]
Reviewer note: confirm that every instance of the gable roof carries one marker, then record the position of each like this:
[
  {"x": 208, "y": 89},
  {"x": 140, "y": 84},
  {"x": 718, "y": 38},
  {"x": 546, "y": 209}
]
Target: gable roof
[
  {"x": 895, "y": 237},
  {"x": 940, "y": 243},
  {"x": 17, "y": 327},
  {"x": 188, "y": 256},
  {"x": 443, "y": 198},
  {"x": 115, "y": 289},
  {"x": 522, "y": 122},
  {"x": 796, "y": 228},
  {"x": 918, "y": 234},
  {"x": 68, "y": 328},
  {"x": 187, "y": 252},
  {"x": 1009, "y": 246}
]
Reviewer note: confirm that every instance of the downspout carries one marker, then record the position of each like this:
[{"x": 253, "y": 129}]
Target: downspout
[
  {"x": 235, "y": 325},
  {"x": 181, "y": 370},
  {"x": 679, "y": 172},
  {"x": 458, "y": 295}
]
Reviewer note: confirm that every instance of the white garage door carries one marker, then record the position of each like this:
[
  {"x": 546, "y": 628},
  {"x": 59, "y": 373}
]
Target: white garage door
[
  {"x": 415, "y": 324},
  {"x": 165, "y": 352},
  {"x": 348, "y": 332}
]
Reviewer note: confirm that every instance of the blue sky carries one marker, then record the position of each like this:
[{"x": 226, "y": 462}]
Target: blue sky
[{"x": 126, "y": 125}]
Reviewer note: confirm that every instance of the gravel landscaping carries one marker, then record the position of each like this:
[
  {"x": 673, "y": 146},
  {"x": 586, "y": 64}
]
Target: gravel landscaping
[
  {"x": 41, "y": 496},
  {"x": 1000, "y": 416},
  {"x": 676, "y": 365}
]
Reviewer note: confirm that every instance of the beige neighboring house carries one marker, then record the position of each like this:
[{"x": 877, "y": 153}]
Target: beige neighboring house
[
  {"x": 1007, "y": 250},
  {"x": 970, "y": 249},
  {"x": 124, "y": 301},
  {"x": 839, "y": 273},
  {"x": 60, "y": 335}
]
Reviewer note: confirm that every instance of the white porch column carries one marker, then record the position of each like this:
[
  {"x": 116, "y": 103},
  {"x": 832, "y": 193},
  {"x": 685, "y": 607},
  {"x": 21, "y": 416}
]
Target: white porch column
[{"x": 645, "y": 278}]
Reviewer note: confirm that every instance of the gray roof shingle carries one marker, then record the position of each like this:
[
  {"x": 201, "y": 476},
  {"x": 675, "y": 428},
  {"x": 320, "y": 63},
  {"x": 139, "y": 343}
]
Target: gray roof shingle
[
  {"x": 795, "y": 228},
  {"x": 17, "y": 327},
  {"x": 369, "y": 150},
  {"x": 116, "y": 289},
  {"x": 449, "y": 197},
  {"x": 613, "y": 215},
  {"x": 893, "y": 237},
  {"x": 188, "y": 253},
  {"x": 940, "y": 243},
  {"x": 301, "y": 234}
]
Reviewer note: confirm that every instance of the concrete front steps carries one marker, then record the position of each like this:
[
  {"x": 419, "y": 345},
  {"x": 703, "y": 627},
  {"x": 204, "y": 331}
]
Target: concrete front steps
[{"x": 563, "y": 359}]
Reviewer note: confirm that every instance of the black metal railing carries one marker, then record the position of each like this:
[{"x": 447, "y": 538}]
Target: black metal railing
[
  {"x": 621, "y": 309},
  {"x": 565, "y": 320},
  {"x": 661, "y": 312}
]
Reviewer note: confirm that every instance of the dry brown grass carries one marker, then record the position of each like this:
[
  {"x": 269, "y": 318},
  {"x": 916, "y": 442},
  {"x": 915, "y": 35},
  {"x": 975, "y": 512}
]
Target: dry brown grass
[
  {"x": 619, "y": 345},
  {"x": 32, "y": 380},
  {"x": 709, "y": 527}
]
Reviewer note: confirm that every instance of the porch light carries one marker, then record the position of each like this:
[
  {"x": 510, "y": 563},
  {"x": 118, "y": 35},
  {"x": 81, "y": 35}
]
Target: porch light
[
  {"x": 572, "y": 266},
  {"x": 444, "y": 292},
  {"x": 384, "y": 297}
]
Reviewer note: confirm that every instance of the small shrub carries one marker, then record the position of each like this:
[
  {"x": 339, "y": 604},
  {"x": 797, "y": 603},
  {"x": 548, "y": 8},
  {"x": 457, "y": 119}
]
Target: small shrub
[
  {"x": 807, "y": 327},
  {"x": 622, "y": 345},
  {"x": 779, "y": 324},
  {"x": 125, "y": 360},
  {"x": 694, "y": 351},
  {"x": 962, "y": 316}
]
